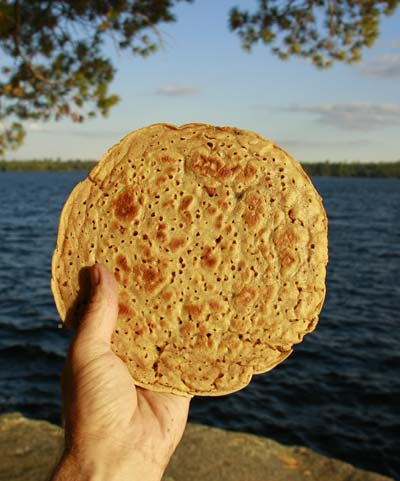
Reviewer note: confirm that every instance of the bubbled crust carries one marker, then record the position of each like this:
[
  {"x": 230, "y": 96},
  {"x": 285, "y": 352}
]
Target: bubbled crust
[{"x": 218, "y": 241}]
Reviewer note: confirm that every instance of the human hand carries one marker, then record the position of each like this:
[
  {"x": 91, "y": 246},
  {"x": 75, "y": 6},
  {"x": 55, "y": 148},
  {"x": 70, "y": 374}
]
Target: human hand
[{"x": 114, "y": 430}]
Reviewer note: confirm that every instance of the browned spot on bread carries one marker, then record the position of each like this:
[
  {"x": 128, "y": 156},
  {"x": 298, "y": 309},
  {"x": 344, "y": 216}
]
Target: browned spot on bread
[
  {"x": 250, "y": 170},
  {"x": 214, "y": 167},
  {"x": 176, "y": 243},
  {"x": 170, "y": 171},
  {"x": 270, "y": 292},
  {"x": 125, "y": 206},
  {"x": 245, "y": 274},
  {"x": 215, "y": 305},
  {"x": 286, "y": 239},
  {"x": 239, "y": 324},
  {"x": 161, "y": 236},
  {"x": 148, "y": 277},
  {"x": 204, "y": 330},
  {"x": 187, "y": 216},
  {"x": 151, "y": 276},
  {"x": 211, "y": 210},
  {"x": 122, "y": 262},
  {"x": 140, "y": 331},
  {"x": 218, "y": 222},
  {"x": 289, "y": 263},
  {"x": 255, "y": 209},
  {"x": 166, "y": 159},
  {"x": 169, "y": 203},
  {"x": 188, "y": 329},
  {"x": 166, "y": 295},
  {"x": 194, "y": 310},
  {"x": 211, "y": 191},
  {"x": 208, "y": 260},
  {"x": 287, "y": 259},
  {"x": 186, "y": 201},
  {"x": 292, "y": 214},
  {"x": 266, "y": 252},
  {"x": 125, "y": 310},
  {"x": 246, "y": 297},
  {"x": 207, "y": 165},
  {"x": 227, "y": 172},
  {"x": 161, "y": 179},
  {"x": 145, "y": 251}
]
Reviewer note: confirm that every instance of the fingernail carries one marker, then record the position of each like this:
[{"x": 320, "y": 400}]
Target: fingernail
[{"x": 95, "y": 275}]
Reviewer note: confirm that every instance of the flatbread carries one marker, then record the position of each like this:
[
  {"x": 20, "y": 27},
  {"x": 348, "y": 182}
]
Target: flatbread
[{"x": 218, "y": 241}]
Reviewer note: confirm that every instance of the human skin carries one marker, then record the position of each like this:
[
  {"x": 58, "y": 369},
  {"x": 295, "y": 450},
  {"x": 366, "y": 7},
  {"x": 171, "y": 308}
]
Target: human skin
[{"x": 113, "y": 429}]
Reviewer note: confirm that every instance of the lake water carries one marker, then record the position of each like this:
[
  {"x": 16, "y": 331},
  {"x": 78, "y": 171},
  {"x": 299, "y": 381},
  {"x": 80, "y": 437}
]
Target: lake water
[{"x": 339, "y": 392}]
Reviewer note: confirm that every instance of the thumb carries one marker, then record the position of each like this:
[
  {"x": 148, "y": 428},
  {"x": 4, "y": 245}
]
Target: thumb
[{"x": 98, "y": 322}]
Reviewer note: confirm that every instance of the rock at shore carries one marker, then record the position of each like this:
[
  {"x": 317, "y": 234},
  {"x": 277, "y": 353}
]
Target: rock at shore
[{"x": 29, "y": 450}]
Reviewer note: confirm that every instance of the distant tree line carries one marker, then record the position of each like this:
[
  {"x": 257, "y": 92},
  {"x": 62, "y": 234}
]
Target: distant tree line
[
  {"x": 46, "y": 165},
  {"x": 325, "y": 169},
  {"x": 353, "y": 169}
]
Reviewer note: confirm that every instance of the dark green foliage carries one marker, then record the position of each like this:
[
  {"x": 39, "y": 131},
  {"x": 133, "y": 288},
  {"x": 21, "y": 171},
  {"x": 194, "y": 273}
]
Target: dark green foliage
[
  {"x": 353, "y": 169},
  {"x": 323, "y": 31},
  {"x": 53, "y": 64},
  {"x": 334, "y": 169}
]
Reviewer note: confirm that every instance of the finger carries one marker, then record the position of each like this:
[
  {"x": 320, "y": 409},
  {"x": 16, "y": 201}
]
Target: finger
[{"x": 98, "y": 322}]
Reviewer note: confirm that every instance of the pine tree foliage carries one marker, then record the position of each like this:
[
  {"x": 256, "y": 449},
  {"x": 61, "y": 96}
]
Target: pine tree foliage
[
  {"x": 323, "y": 31},
  {"x": 54, "y": 63}
]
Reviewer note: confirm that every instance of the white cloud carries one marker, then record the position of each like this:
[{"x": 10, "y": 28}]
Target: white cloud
[
  {"x": 353, "y": 116},
  {"x": 310, "y": 144},
  {"x": 38, "y": 128},
  {"x": 176, "y": 90},
  {"x": 385, "y": 66}
]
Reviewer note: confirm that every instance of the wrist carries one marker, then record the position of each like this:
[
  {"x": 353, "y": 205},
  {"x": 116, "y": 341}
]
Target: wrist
[{"x": 79, "y": 466}]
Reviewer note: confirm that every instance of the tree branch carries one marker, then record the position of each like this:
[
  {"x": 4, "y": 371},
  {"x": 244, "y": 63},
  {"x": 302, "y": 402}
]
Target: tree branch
[{"x": 36, "y": 73}]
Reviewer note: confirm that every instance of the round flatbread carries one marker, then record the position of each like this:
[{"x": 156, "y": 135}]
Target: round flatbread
[{"x": 218, "y": 241}]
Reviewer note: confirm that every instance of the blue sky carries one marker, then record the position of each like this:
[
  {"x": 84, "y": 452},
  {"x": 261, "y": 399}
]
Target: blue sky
[{"x": 201, "y": 74}]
